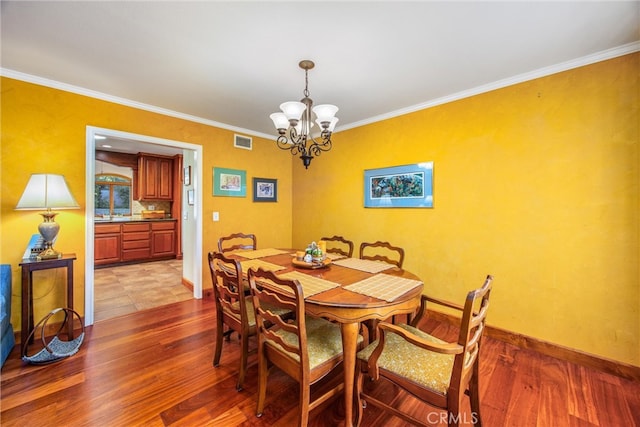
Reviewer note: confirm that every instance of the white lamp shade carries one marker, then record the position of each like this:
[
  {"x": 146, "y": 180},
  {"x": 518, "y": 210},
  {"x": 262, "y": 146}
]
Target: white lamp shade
[
  {"x": 325, "y": 112},
  {"x": 293, "y": 110},
  {"x": 332, "y": 125},
  {"x": 47, "y": 191},
  {"x": 280, "y": 120}
]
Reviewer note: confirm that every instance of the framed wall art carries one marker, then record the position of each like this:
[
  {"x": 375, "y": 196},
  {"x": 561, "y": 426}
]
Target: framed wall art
[
  {"x": 187, "y": 175},
  {"x": 229, "y": 182},
  {"x": 265, "y": 190},
  {"x": 408, "y": 186}
]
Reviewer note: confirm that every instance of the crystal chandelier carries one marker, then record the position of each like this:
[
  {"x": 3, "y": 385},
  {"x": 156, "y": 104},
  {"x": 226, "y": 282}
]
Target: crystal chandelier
[{"x": 294, "y": 123}]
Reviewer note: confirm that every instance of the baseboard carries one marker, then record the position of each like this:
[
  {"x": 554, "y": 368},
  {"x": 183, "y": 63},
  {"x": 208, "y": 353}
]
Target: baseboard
[
  {"x": 187, "y": 284},
  {"x": 609, "y": 366}
]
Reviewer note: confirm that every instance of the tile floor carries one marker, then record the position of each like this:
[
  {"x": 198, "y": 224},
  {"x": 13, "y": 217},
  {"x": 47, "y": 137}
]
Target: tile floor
[{"x": 129, "y": 288}]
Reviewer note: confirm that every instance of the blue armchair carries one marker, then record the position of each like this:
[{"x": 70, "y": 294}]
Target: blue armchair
[{"x": 6, "y": 333}]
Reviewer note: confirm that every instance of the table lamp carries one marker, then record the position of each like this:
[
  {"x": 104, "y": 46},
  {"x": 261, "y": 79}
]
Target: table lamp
[{"x": 47, "y": 191}]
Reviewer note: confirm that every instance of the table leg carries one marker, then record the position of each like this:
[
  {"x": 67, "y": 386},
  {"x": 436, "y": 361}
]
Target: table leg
[{"x": 349, "y": 347}]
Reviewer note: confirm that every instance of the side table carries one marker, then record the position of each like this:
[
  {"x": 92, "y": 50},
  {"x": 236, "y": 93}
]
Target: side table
[{"x": 28, "y": 267}]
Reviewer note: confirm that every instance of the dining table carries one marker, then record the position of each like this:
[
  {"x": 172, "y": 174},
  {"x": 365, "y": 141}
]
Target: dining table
[{"x": 345, "y": 290}]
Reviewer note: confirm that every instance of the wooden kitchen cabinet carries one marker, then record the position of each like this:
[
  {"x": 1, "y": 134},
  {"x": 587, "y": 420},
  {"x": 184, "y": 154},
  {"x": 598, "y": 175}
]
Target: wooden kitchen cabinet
[
  {"x": 155, "y": 177},
  {"x": 107, "y": 244},
  {"x": 133, "y": 242},
  {"x": 163, "y": 239},
  {"x": 136, "y": 239}
]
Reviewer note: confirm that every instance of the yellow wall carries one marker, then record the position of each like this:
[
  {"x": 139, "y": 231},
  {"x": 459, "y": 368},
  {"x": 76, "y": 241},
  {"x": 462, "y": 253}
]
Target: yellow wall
[
  {"x": 536, "y": 183},
  {"x": 43, "y": 130}
]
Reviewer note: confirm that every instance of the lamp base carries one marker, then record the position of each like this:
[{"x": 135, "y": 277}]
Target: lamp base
[{"x": 49, "y": 253}]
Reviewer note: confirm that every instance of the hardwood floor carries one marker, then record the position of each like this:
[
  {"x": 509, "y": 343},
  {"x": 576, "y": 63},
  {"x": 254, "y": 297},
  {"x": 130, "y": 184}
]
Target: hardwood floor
[
  {"x": 129, "y": 288},
  {"x": 154, "y": 368}
]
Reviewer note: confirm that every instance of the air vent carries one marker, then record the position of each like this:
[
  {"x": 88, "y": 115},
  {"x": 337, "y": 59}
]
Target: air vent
[{"x": 242, "y": 142}]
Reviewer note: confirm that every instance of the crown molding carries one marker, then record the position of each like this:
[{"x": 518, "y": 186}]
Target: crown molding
[
  {"x": 542, "y": 72},
  {"x": 532, "y": 75}
]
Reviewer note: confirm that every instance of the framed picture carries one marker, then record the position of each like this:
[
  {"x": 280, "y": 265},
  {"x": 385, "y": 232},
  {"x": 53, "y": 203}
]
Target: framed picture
[
  {"x": 190, "y": 197},
  {"x": 409, "y": 186},
  {"x": 265, "y": 190},
  {"x": 229, "y": 182},
  {"x": 187, "y": 175}
]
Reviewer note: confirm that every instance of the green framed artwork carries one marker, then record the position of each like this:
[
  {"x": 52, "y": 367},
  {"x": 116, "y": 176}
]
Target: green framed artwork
[{"x": 229, "y": 182}]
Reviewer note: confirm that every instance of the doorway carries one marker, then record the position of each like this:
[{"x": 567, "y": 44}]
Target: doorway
[{"x": 191, "y": 220}]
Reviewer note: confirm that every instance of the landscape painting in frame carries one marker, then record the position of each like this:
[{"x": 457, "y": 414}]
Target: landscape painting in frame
[
  {"x": 229, "y": 182},
  {"x": 408, "y": 186}
]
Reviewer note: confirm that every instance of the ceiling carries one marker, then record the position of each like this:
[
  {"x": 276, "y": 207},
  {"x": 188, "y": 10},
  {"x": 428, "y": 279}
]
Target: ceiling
[{"x": 231, "y": 64}]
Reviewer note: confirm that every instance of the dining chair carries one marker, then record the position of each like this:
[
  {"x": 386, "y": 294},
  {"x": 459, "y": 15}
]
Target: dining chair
[
  {"x": 387, "y": 253},
  {"x": 435, "y": 371},
  {"x": 237, "y": 241},
  {"x": 304, "y": 347},
  {"x": 233, "y": 311},
  {"x": 338, "y": 246}
]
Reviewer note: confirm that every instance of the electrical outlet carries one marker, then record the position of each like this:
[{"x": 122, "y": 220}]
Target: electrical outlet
[{"x": 216, "y": 216}]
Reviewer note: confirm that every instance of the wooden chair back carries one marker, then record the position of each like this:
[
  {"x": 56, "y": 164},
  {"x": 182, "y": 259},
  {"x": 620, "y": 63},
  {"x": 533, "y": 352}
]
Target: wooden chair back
[
  {"x": 386, "y": 252},
  {"x": 305, "y": 348},
  {"x": 237, "y": 241},
  {"x": 232, "y": 308},
  {"x": 463, "y": 376},
  {"x": 339, "y": 245}
]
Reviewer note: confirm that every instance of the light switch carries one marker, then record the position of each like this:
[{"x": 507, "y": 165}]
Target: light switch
[{"x": 216, "y": 216}]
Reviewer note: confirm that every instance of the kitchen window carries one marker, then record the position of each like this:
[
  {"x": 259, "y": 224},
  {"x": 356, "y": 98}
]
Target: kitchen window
[{"x": 112, "y": 195}]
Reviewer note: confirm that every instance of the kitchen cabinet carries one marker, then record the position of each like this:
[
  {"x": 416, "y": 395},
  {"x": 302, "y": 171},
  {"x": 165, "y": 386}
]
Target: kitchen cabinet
[
  {"x": 163, "y": 239},
  {"x": 134, "y": 241},
  {"x": 155, "y": 177},
  {"x": 107, "y": 244}
]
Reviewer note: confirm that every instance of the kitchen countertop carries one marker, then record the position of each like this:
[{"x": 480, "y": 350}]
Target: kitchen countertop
[{"x": 129, "y": 219}]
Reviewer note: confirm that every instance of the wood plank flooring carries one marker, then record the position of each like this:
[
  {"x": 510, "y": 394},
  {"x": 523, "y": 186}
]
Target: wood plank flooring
[{"x": 154, "y": 368}]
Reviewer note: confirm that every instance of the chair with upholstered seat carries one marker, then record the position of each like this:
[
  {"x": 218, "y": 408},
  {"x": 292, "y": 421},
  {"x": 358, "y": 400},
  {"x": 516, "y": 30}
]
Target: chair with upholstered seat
[
  {"x": 233, "y": 311},
  {"x": 237, "y": 241},
  {"x": 437, "y": 372},
  {"x": 339, "y": 245},
  {"x": 384, "y": 252},
  {"x": 304, "y": 347}
]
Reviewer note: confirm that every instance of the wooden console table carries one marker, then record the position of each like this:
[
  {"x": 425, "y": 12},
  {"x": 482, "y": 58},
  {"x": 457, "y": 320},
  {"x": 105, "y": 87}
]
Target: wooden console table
[{"x": 28, "y": 267}]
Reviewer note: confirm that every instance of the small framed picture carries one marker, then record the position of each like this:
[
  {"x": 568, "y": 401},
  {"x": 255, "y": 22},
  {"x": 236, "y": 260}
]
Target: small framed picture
[
  {"x": 187, "y": 175},
  {"x": 229, "y": 182},
  {"x": 265, "y": 190},
  {"x": 190, "y": 197}
]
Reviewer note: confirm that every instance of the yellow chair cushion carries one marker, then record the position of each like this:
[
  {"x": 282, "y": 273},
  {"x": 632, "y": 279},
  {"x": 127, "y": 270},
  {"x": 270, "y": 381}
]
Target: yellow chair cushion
[
  {"x": 427, "y": 368},
  {"x": 324, "y": 341},
  {"x": 251, "y": 314}
]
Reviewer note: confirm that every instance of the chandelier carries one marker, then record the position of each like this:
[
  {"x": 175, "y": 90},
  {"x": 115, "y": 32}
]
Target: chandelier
[{"x": 294, "y": 123}]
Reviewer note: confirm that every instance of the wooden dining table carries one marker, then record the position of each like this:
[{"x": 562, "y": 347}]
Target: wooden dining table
[{"x": 348, "y": 291}]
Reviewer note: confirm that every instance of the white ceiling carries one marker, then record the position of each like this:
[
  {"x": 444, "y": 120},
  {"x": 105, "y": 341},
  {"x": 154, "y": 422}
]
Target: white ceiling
[{"x": 232, "y": 63}]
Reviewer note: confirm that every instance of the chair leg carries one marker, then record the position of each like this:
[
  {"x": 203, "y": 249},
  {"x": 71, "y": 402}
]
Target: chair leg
[
  {"x": 263, "y": 373},
  {"x": 218, "y": 350},
  {"x": 474, "y": 397},
  {"x": 303, "y": 406},
  {"x": 244, "y": 356}
]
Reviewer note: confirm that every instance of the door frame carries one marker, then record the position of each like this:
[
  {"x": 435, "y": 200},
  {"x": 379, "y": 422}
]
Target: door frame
[{"x": 194, "y": 265}]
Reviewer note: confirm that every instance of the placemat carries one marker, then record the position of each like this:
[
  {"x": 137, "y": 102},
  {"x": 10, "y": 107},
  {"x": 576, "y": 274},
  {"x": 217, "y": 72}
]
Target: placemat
[
  {"x": 310, "y": 285},
  {"x": 257, "y": 263},
  {"x": 333, "y": 256},
  {"x": 364, "y": 265},
  {"x": 383, "y": 286},
  {"x": 259, "y": 253}
]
